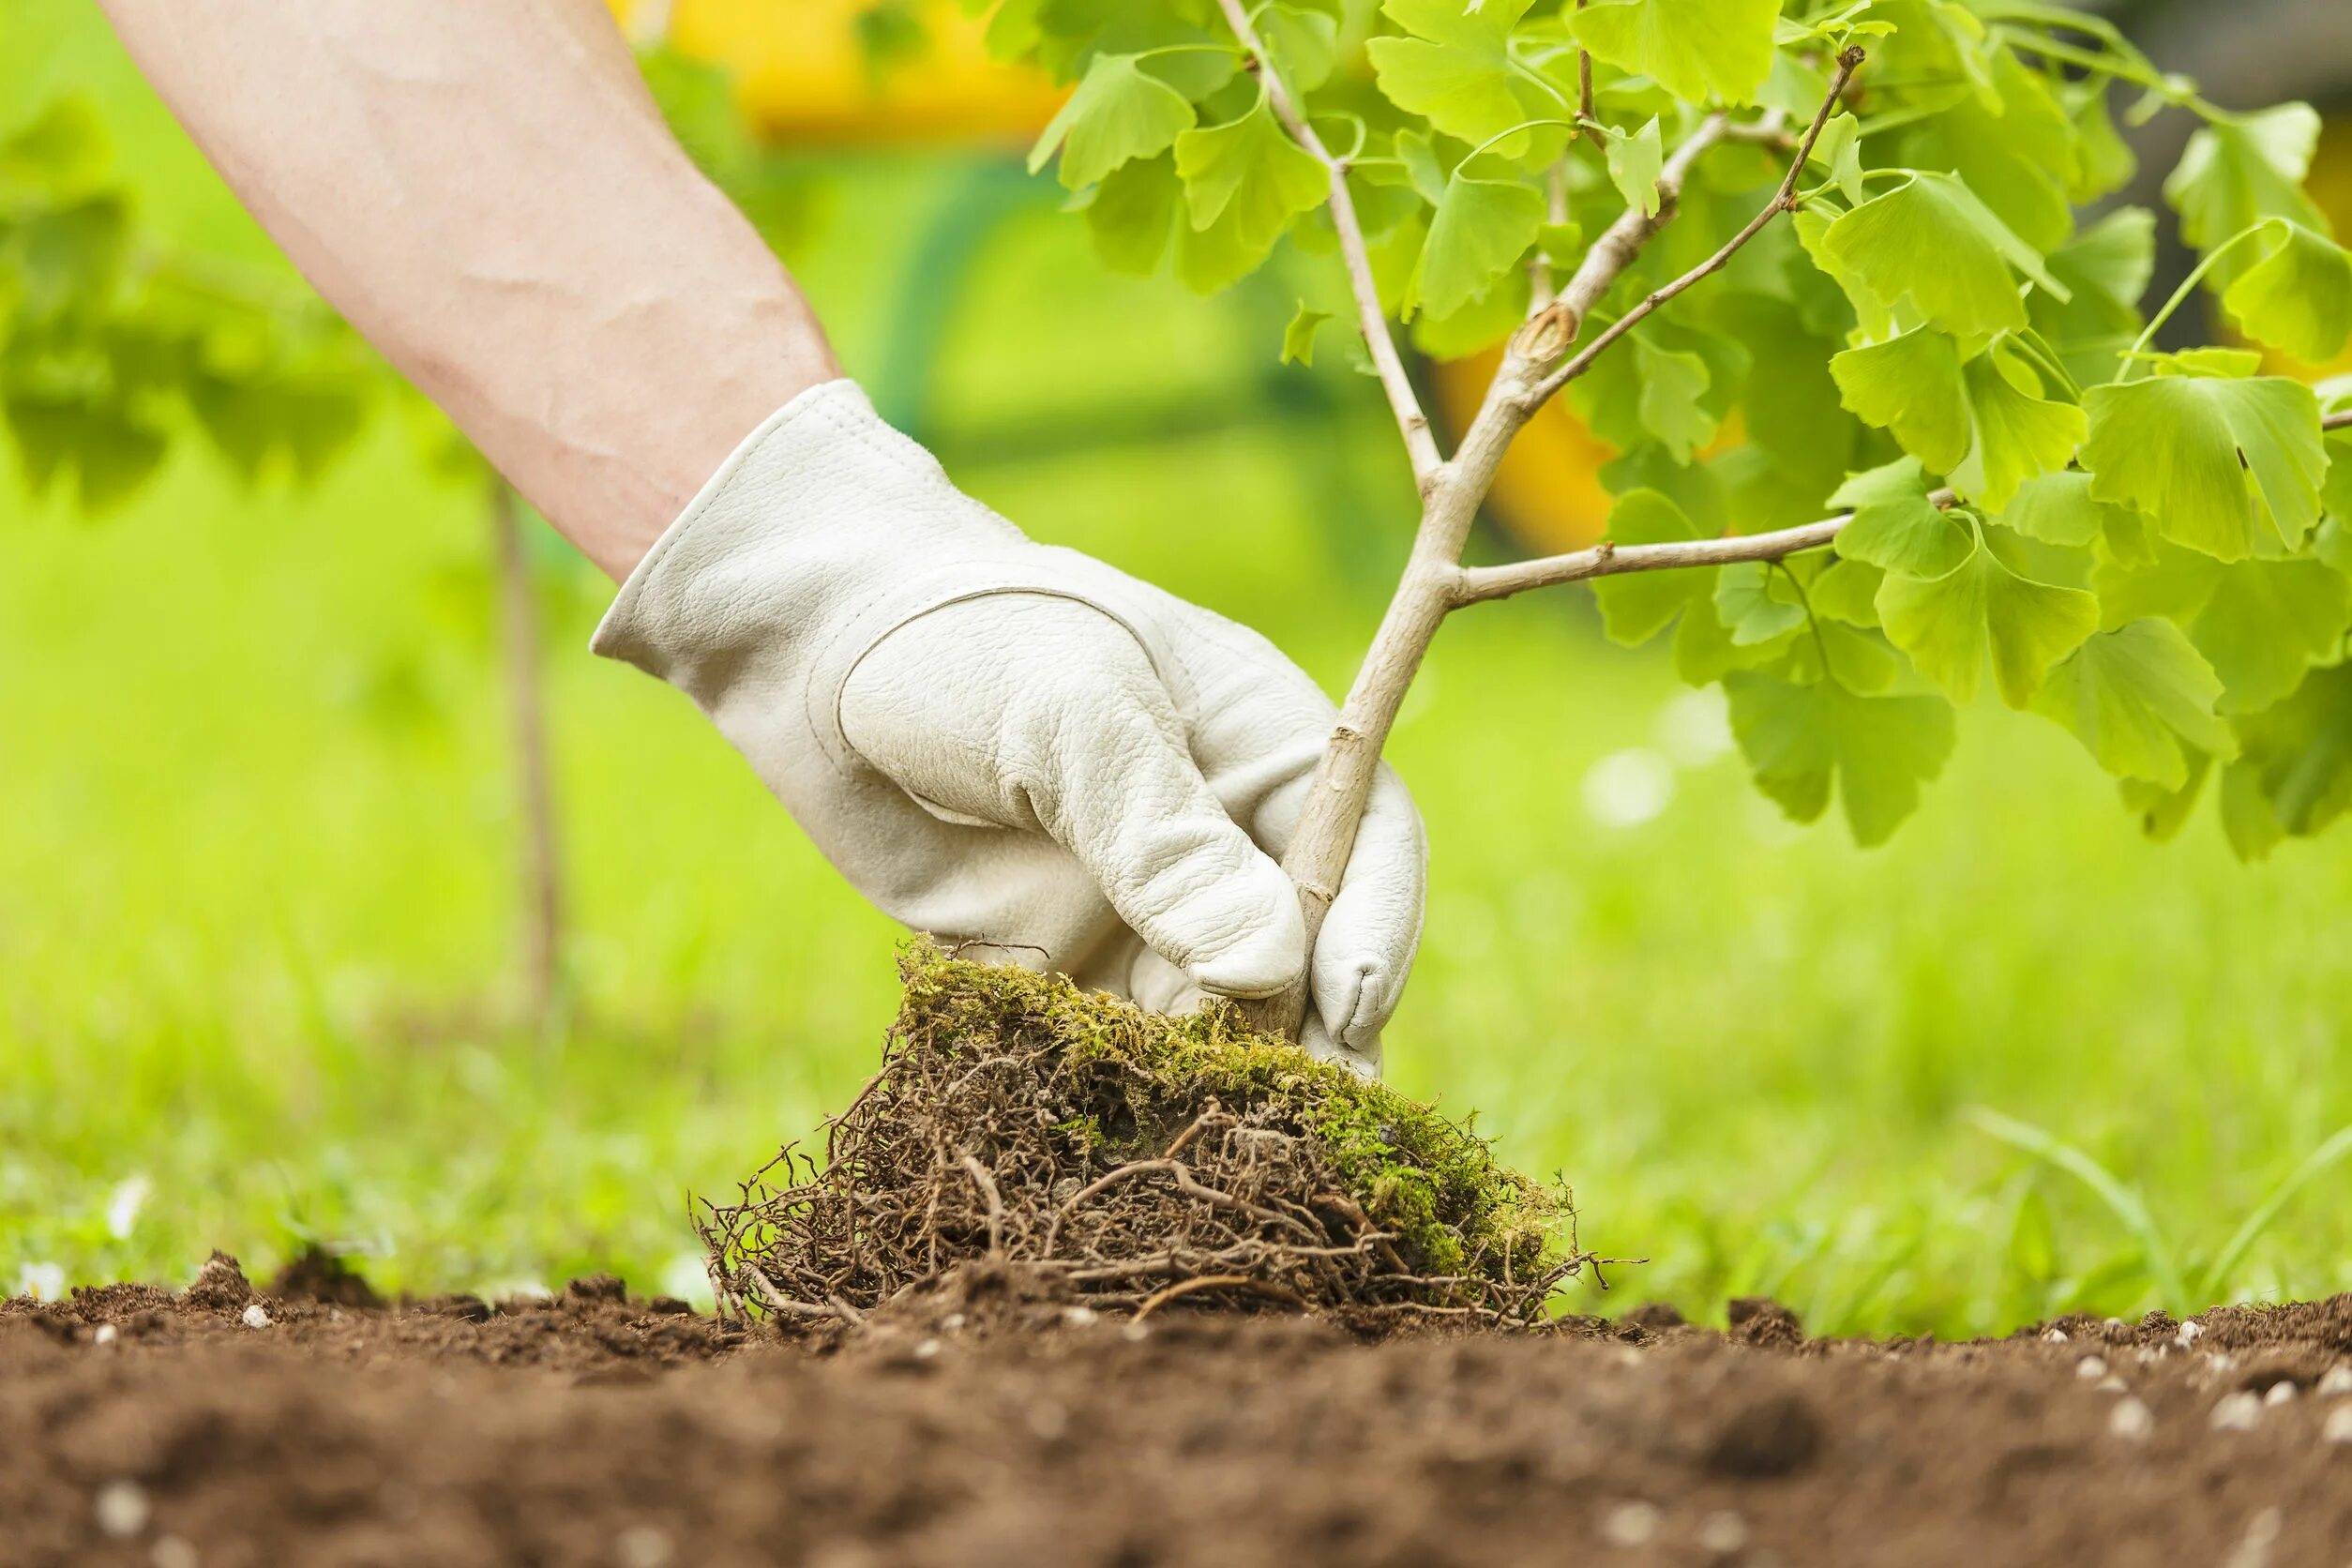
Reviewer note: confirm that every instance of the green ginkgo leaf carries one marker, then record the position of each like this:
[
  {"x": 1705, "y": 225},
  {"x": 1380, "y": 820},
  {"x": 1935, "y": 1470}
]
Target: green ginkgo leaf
[
  {"x": 2299, "y": 296},
  {"x": 1896, "y": 527},
  {"x": 1304, "y": 42},
  {"x": 1878, "y": 749},
  {"x": 1697, "y": 50},
  {"x": 1838, "y": 150},
  {"x": 1456, "y": 70},
  {"x": 2136, "y": 698},
  {"x": 1848, "y": 590},
  {"x": 1912, "y": 386},
  {"x": 1672, "y": 383},
  {"x": 2213, "y": 463},
  {"x": 1634, "y": 162},
  {"x": 1247, "y": 179},
  {"x": 2261, "y": 624},
  {"x": 1298, "y": 339},
  {"x": 1118, "y": 113},
  {"x": 1949, "y": 625},
  {"x": 1481, "y": 228},
  {"x": 1931, "y": 241},
  {"x": 2240, "y": 169},
  {"x": 1811, "y": 228},
  {"x": 1419, "y": 155},
  {"x": 1130, "y": 212},
  {"x": 1637, "y": 606},
  {"x": 2106, "y": 268},
  {"x": 2059, "y": 509},
  {"x": 1756, "y": 603},
  {"x": 2019, "y": 433},
  {"x": 1653, "y": 391}
]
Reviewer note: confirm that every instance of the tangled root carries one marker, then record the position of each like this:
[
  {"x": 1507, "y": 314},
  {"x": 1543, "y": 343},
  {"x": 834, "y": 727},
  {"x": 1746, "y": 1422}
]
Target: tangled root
[{"x": 1133, "y": 1161}]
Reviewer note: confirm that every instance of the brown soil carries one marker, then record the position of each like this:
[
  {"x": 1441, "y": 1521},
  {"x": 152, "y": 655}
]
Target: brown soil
[{"x": 980, "y": 1423}]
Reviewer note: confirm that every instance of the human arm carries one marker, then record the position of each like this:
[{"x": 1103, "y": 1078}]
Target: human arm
[{"x": 487, "y": 193}]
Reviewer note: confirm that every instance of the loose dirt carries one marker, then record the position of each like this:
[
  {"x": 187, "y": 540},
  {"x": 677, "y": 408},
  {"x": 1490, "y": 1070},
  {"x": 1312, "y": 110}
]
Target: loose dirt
[{"x": 982, "y": 1421}]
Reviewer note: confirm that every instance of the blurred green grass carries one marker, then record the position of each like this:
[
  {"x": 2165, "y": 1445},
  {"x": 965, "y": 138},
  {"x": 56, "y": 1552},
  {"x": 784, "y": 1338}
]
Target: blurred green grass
[{"x": 256, "y": 934}]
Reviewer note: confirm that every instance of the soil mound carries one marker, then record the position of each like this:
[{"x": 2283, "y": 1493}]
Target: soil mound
[{"x": 1127, "y": 1161}]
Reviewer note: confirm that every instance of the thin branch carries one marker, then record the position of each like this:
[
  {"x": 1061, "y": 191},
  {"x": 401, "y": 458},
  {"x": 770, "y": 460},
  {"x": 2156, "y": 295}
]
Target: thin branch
[
  {"x": 1420, "y": 444},
  {"x": 2341, "y": 419},
  {"x": 1540, "y": 289},
  {"x": 1622, "y": 240},
  {"x": 1783, "y": 201},
  {"x": 1478, "y": 584},
  {"x": 1584, "y": 79}
]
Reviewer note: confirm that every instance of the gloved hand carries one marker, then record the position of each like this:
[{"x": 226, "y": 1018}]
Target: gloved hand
[{"x": 1012, "y": 745}]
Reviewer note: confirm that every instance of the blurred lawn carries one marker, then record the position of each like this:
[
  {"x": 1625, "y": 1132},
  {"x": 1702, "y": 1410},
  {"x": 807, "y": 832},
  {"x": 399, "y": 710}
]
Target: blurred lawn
[{"x": 256, "y": 848}]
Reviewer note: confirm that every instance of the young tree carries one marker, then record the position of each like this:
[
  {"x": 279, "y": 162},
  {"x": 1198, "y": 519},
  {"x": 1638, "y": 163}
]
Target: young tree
[{"x": 1889, "y": 411}]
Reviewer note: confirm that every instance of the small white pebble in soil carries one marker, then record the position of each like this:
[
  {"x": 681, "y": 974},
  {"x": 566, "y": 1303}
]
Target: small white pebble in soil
[
  {"x": 105, "y": 1334},
  {"x": 2131, "y": 1419},
  {"x": 2237, "y": 1412},
  {"x": 254, "y": 1317},
  {"x": 171, "y": 1551},
  {"x": 2114, "y": 1385},
  {"x": 1628, "y": 1356},
  {"x": 2090, "y": 1368},
  {"x": 1137, "y": 1331},
  {"x": 926, "y": 1351},
  {"x": 2055, "y": 1337},
  {"x": 1079, "y": 1317},
  {"x": 2335, "y": 1384},
  {"x": 1630, "y": 1524},
  {"x": 643, "y": 1547},
  {"x": 950, "y": 1323},
  {"x": 2339, "y": 1425},
  {"x": 2280, "y": 1393},
  {"x": 121, "y": 1508},
  {"x": 1722, "y": 1532},
  {"x": 2189, "y": 1330}
]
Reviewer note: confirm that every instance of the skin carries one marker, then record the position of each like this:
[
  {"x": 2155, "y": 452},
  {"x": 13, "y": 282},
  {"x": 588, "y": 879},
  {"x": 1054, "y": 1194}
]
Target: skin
[{"x": 486, "y": 193}]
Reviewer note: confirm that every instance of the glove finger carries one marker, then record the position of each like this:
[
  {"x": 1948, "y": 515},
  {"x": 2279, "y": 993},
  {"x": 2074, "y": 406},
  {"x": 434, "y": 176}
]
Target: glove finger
[
  {"x": 1116, "y": 785},
  {"x": 1038, "y": 712},
  {"x": 1363, "y": 1060},
  {"x": 1365, "y": 948}
]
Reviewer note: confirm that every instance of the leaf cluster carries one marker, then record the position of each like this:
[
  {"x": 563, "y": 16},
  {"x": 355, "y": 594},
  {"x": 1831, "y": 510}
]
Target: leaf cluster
[
  {"x": 2147, "y": 549},
  {"x": 113, "y": 344}
]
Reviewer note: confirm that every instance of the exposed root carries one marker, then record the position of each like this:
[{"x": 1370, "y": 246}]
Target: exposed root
[{"x": 1131, "y": 1162}]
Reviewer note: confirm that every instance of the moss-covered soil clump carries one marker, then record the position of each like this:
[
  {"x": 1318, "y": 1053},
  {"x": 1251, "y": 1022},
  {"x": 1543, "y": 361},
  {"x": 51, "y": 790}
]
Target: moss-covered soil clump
[{"x": 1127, "y": 1161}]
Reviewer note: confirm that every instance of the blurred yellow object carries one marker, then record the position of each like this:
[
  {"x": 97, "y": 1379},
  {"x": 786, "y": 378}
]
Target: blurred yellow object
[
  {"x": 805, "y": 78},
  {"x": 1548, "y": 491},
  {"x": 2330, "y": 186}
]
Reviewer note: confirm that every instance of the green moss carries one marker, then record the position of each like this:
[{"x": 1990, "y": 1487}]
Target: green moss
[{"x": 1421, "y": 1175}]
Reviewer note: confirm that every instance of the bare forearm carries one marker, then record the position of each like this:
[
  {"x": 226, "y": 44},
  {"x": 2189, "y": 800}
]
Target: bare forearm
[{"x": 486, "y": 192}]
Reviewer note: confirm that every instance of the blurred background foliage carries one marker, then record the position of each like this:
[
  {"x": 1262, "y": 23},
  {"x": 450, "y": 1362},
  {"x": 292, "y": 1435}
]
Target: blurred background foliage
[{"x": 264, "y": 953}]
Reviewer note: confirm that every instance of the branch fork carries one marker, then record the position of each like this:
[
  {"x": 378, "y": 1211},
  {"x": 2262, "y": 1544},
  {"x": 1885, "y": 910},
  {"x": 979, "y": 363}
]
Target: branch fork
[{"x": 1434, "y": 582}]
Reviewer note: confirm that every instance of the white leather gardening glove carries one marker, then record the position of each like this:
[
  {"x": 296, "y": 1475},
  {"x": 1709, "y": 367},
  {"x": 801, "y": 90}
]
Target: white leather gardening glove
[{"x": 1010, "y": 743}]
